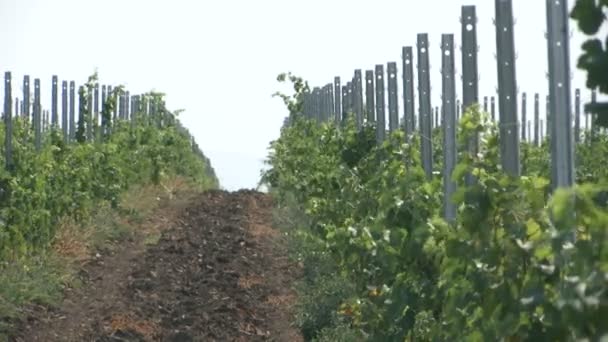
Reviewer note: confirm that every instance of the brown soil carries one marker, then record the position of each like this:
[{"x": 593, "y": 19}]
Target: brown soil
[{"x": 218, "y": 273}]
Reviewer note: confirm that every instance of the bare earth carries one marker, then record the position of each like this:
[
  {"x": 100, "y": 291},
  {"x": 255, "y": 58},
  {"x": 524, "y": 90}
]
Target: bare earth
[{"x": 219, "y": 272}]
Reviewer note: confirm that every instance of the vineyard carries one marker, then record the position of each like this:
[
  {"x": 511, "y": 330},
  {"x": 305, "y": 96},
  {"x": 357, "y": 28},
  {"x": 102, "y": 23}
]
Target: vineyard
[
  {"x": 452, "y": 228},
  {"x": 54, "y": 176},
  {"x": 393, "y": 209}
]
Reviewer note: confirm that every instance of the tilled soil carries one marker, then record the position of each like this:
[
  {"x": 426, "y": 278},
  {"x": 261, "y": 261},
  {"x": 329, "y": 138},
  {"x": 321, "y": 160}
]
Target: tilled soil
[{"x": 219, "y": 273}]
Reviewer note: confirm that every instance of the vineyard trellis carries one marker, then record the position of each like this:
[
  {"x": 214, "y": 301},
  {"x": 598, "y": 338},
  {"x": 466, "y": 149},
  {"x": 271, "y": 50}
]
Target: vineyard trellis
[
  {"x": 562, "y": 118},
  {"x": 91, "y": 108}
]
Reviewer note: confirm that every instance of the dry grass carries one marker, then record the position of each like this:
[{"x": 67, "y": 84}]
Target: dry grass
[
  {"x": 281, "y": 301},
  {"x": 77, "y": 242},
  {"x": 250, "y": 281},
  {"x": 128, "y": 322},
  {"x": 72, "y": 242}
]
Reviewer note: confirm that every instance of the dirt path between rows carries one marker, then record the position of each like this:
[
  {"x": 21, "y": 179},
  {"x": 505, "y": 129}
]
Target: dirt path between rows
[{"x": 218, "y": 273}]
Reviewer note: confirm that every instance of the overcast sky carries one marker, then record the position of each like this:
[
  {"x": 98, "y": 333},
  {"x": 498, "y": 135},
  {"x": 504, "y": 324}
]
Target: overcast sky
[{"x": 219, "y": 60}]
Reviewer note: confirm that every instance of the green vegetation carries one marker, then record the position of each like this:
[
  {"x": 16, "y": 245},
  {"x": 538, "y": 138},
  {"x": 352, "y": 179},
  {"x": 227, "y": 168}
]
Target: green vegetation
[
  {"x": 515, "y": 265},
  {"x": 62, "y": 203},
  {"x": 70, "y": 179}
]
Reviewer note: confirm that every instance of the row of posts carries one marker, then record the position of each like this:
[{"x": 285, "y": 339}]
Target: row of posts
[
  {"x": 335, "y": 101},
  {"x": 126, "y": 107}
]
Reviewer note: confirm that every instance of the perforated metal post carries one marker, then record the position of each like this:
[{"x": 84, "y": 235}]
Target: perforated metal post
[
  {"x": 89, "y": 115},
  {"x": 8, "y": 122},
  {"x": 458, "y": 108},
  {"x": 380, "y": 104},
  {"x": 332, "y": 108},
  {"x": 82, "y": 109},
  {"x": 96, "y": 110},
  {"x": 54, "y": 102},
  {"x": 338, "y": 99},
  {"x": 558, "y": 42},
  {"x": 524, "y": 118},
  {"x": 126, "y": 104},
  {"x": 536, "y": 119},
  {"x": 424, "y": 94},
  {"x": 507, "y": 85},
  {"x": 122, "y": 106},
  {"x": 493, "y": 108},
  {"x": 548, "y": 116},
  {"x": 322, "y": 104},
  {"x": 357, "y": 96},
  {"x": 72, "y": 110},
  {"x": 449, "y": 124},
  {"x": 577, "y": 115},
  {"x": 393, "y": 97},
  {"x": 470, "y": 73},
  {"x": 485, "y": 104},
  {"x": 64, "y": 112},
  {"x": 408, "y": 90},
  {"x": 370, "y": 104},
  {"x": 594, "y": 128},
  {"x": 345, "y": 109},
  {"x": 437, "y": 123},
  {"x": 351, "y": 99},
  {"x": 37, "y": 116},
  {"x": 26, "y": 98}
]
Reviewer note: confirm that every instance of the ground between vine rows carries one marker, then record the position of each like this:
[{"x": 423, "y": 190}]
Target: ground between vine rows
[{"x": 219, "y": 272}]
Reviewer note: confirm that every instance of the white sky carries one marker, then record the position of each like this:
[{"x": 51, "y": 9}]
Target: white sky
[{"x": 219, "y": 59}]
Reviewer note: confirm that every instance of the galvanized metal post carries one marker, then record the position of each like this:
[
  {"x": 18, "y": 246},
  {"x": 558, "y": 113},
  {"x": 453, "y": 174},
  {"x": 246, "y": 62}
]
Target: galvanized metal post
[
  {"x": 8, "y": 122},
  {"x": 558, "y": 42},
  {"x": 64, "y": 112},
  {"x": 345, "y": 109},
  {"x": 72, "y": 110},
  {"x": 548, "y": 116},
  {"x": 370, "y": 106},
  {"x": 470, "y": 74},
  {"x": 16, "y": 106},
  {"x": 380, "y": 105},
  {"x": 331, "y": 113},
  {"x": 338, "y": 100},
  {"x": 358, "y": 97},
  {"x": 408, "y": 90},
  {"x": 89, "y": 115},
  {"x": 322, "y": 104},
  {"x": 577, "y": 115},
  {"x": 592, "y": 116},
  {"x": 536, "y": 119},
  {"x": 26, "y": 98},
  {"x": 96, "y": 110},
  {"x": 524, "y": 118},
  {"x": 458, "y": 108},
  {"x": 82, "y": 108},
  {"x": 449, "y": 124},
  {"x": 121, "y": 106},
  {"x": 393, "y": 97},
  {"x": 485, "y": 104},
  {"x": 437, "y": 123},
  {"x": 54, "y": 103},
  {"x": 529, "y": 137},
  {"x": 507, "y": 85},
  {"x": 350, "y": 99},
  {"x": 493, "y": 108},
  {"x": 37, "y": 116},
  {"x": 126, "y": 104},
  {"x": 424, "y": 94}
]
